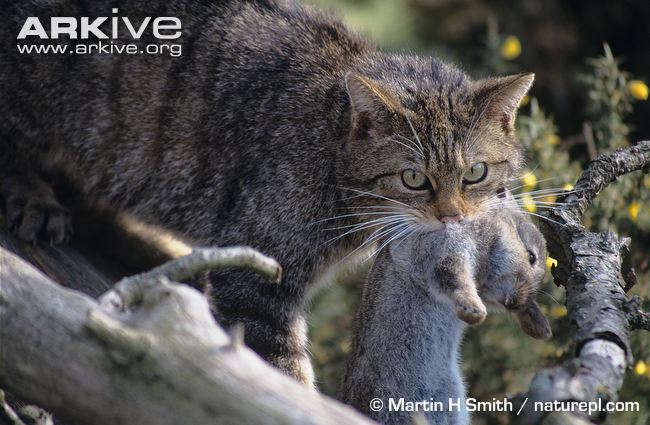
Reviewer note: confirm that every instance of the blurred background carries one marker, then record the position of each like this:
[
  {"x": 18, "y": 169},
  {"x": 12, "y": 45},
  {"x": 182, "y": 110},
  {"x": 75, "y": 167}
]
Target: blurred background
[{"x": 592, "y": 66}]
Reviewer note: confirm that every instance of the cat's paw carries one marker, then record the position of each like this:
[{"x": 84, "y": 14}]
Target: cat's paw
[
  {"x": 32, "y": 210},
  {"x": 473, "y": 313}
]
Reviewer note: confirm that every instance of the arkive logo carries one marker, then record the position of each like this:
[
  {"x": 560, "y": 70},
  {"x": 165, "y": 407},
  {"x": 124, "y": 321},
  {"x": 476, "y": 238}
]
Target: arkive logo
[{"x": 84, "y": 28}]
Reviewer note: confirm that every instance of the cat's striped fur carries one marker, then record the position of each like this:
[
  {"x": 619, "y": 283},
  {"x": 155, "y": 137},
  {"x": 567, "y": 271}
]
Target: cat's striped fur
[{"x": 275, "y": 125}]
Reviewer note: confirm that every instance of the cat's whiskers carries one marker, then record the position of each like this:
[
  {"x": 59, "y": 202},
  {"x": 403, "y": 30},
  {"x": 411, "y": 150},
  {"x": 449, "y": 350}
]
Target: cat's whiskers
[
  {"x": 514, "y": 205},
  {"x": 406, "y": 146},
  {"x": 359, "y": 214},
  {"x": 544, "y": 218},
  {"x": 544, "y": 192},
  {"x": 511, "y": 189},
  {"x": 533, "y": 194},
  {"x": 548, "y": 294},
  {"x": 404, "y": 234},
  {"x": 368, "y": 207},
  {"x": 525, "y": 172},
  {"x": 349, "y": 232},
  {"x": 415, "y": 134},
  {"x": 374, "y": 195},
  {"x": 415, "y": 145},
  {"x": 377, "y": 234},
  {"x": 475, "y": 119},
  {"x": 389, "y": 219},
  {"x": 367, "y": 224},
  {"x": 524, "y": 202}
]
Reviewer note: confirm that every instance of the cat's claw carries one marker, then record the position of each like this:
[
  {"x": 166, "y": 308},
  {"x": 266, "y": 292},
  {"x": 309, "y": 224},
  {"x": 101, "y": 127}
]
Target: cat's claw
[{"x": 32, "y": 210}]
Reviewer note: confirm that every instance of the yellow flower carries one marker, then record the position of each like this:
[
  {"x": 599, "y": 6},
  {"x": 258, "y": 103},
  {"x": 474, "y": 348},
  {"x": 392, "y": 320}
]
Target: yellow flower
[
  {"x": 524, "y": 100},
  {"x": 529, "y": 203},
  {"x": 550, "y": 263},
  {"x": 558, "y": 311},
  {"x": 550, "y": 199},
  {"x": 511, "y": 48},
  {"x": 641, "y": 368},
  {"x": 633, "y": 210},
  {"x": 638, "y": 89},
  {"x": 567, "y": 187},
  {"x": 552, "y": 139},
  {"x": 529, "y": 180}
]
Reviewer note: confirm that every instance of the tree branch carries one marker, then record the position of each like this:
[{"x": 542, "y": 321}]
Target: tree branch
[
  {"x": 598, "y": 309},
  {"x": 638, "y": 318},
  {"x": 130, "y": 289},
  {"x": 162, "y": 361}
]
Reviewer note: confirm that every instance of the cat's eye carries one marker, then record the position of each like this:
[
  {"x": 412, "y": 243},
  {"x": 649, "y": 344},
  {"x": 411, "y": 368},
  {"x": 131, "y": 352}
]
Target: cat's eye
[
  {"x": 414, "y": 180},
  {"x": 476, "y": 173},
  {"x": 532, "y": 258}
]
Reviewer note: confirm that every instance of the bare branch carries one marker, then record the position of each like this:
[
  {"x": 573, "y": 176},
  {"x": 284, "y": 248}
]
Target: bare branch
[
  {"x": 598, "y": 175},
  {"x": 7, "y": 414},
  {"x": 598, "y": 309},
  {"x": 129, "y": 290},
  {"x": 165, "y": 361}
]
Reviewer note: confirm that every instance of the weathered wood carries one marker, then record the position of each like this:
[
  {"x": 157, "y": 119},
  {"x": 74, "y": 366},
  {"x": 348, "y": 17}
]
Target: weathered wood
[
  {"x": 163, "y": 360},
  {"x": 599, "y": 312}
]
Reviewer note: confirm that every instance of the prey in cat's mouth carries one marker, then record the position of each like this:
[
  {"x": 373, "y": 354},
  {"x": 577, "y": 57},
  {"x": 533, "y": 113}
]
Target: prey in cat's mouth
[{"x": 421, "y": 156}]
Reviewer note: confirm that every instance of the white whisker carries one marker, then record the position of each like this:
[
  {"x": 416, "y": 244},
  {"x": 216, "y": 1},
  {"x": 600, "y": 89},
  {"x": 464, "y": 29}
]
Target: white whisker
[
  {"x": 368, "y": 207},
  {"x": 406, "y": 146},
  {"x": 415, "y": 133},
  {"x": 524, "y": 185},
  {"x": 415, "y": 145},
  {"x": 369, "y": 225},
  {"x": 390, "y": 239},
  {"x": 375, "y": 196},
  {"x": 374, "y": 236},
  {"x": 360, "y": 214},
  {"x": 543, "y": 217}
]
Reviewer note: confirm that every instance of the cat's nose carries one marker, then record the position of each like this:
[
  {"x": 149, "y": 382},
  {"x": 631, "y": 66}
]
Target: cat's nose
[{"x": 447, "y": 219}]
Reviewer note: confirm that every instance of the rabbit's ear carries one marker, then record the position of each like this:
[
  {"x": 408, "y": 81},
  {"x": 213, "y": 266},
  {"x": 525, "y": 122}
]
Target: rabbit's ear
[{"x": 533, "y": 322}]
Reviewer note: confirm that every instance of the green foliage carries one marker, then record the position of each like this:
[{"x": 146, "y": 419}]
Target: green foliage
[
  {"x": 623, "y": 207},
  {"x": 498, "y": 358}
]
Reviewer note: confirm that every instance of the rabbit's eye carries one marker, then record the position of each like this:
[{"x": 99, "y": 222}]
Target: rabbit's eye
[{"x": 532, "y": 258}]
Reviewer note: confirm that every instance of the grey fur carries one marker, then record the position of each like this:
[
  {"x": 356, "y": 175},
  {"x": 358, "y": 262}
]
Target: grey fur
[
  {"x": 407, "y": 331},
  {"x": 249, "y": 138}
]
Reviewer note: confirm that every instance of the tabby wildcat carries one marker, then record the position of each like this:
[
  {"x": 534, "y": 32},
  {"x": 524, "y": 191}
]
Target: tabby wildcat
[{"x": 276, "y": 128}]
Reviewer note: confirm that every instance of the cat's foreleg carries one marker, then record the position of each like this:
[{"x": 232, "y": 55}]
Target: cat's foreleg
[{"x": 272, "y": 317}]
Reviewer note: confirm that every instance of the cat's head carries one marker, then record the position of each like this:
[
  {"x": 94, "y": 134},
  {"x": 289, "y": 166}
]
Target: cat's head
[{"x": 427, "y": 142}]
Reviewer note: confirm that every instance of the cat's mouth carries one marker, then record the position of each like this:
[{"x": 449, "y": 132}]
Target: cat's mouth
[{"x": 432, "y": 223}]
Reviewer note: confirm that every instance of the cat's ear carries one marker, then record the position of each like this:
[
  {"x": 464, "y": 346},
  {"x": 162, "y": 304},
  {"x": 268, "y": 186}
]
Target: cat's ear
[
  {"x": 501, "y": 97},
  {"x": 371, "y": 103}
]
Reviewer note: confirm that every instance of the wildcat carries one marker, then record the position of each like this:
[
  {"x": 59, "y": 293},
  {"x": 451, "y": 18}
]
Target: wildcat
[
  {"x": 276, "y": 128},
  {"x": 407, "y": 332}
]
